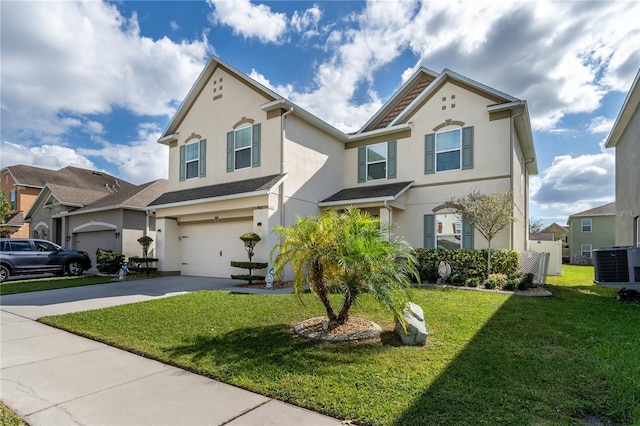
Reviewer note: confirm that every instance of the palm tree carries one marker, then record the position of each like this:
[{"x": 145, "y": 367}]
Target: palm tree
[{"x": 346, "y": 252}]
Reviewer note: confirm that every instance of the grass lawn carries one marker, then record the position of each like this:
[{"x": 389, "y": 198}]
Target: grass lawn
[
  {"x": 8, "y": 418},
  {"x": 13, "y": 287},
  {"x": 490, "y": 358}
]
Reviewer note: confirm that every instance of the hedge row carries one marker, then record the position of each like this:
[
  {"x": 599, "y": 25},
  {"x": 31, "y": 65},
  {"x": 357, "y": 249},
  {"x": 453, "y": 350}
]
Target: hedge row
[{"x": 471, "y": 263}]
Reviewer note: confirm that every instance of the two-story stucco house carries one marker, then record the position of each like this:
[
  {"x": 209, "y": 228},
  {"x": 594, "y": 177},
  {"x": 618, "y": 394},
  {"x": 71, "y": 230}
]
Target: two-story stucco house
[
  {"x": 625, "y": 138},
  {"x": 589, "y": 230},
  {"x": 242, "y": 158}
]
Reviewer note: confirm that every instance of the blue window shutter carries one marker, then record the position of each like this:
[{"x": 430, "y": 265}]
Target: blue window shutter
[
  {"x": 429, "y": 231},
  {"x": 467, "y": 235},
  {"x": 203, "y": 158},
  {"x": 182, "y": 165},
  {"x": 362, "y": 164},
  {"x": 255, "y": 146},
  {"x": 467, "y": 148},
  {"x": 429, "y": 153},
  {"x": 229, "y": 152},
  {"x": 391, "y": 159}
]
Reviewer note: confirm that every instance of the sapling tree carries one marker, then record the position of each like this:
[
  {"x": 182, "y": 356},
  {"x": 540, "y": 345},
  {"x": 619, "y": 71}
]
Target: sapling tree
[{"x": 488, "y": 213}]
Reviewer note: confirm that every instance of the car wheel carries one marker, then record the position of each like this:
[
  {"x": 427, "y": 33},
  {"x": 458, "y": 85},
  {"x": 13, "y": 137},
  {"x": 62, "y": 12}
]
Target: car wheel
[
  {"x": 4, "y": 273},
  {"x": 74, "y": 268}
]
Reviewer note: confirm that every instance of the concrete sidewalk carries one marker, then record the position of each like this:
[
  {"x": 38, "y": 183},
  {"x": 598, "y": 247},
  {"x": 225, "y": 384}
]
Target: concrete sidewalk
[{"x": 51, "y": 377}]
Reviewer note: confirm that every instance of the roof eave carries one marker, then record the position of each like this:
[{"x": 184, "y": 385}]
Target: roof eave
[{"x": 629, "y": 106}]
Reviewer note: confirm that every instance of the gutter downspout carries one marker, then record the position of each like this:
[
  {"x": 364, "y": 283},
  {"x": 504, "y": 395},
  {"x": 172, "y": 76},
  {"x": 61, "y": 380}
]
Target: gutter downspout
[
  {"x": 282, "y": 164},
  {"x": 512, "y": 142},
  {"x": 388, "y": 207}
]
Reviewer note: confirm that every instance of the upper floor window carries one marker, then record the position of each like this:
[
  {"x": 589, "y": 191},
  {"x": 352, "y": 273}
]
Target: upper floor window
[
  {"x": 243, "y": 148},
  {"x": 377, "y": 161},
  {"x": 448, "y": 150},
  {"x": 192, "y": 159},
  {"x": 12, "y": 199},
  {"x": 585, "y": 225}
]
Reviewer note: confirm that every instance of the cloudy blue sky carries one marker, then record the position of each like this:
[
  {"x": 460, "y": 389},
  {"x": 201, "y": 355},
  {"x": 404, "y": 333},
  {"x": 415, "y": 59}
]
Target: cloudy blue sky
[{"x": 93, "y": 84}]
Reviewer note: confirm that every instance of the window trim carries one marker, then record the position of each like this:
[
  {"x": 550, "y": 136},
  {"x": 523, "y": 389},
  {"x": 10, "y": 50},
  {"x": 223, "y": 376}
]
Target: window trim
[
  {"x": 244, "y": 148},
  {"x": 459, "y": 149},
  {"x": 385, "y": 161},
  {"x": 197, "y": 160},
  {"x": 458, "y": 230},
  {"x": 583, "y": 223}
]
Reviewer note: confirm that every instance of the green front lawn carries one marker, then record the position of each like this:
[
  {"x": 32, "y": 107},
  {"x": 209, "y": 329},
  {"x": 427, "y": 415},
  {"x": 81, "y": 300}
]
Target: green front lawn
[
  {"x": 13, "y": 287},
  {"x": 490, "y": 358}
]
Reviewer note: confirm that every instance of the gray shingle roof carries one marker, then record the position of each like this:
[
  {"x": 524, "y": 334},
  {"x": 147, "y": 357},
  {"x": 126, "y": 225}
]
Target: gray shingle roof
[
  {"x": 606, "y": 210},
  {"x": 391, "y": 190},
  {"x": 68, "y": 176},
  {"x": 220, "y": 190},
  {"x": 69, "y": 195},
  {"x": 137, "y": 196}
]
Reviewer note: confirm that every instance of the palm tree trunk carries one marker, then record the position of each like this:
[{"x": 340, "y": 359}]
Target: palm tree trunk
[
  {"x": 343, "y": 316},
  {"x": 321, "y": 290}
]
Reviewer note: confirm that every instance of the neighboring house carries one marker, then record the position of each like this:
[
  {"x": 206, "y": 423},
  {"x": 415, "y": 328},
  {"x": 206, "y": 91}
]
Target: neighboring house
[
  {"x": 625, "y": 138},
  {"x": 589, "y": 230},
  {"x": 242, "y": 158},
  {"x": 22, "y": 184},
  {"x": 560, "y": 233},
  {"x": 85, "y": 219}
]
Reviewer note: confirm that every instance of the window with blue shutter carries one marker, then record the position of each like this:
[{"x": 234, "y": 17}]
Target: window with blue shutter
[
  {"x": 429, "y": 153},
  {"x": 449, "y": 150},
  {"x": 193, "y": 160},
  {"x": 377, "y": 161},
  {"x": 243, "y": 148},
  {"x": 429, "y": 231},
  {"x": 467, "y": 148}
]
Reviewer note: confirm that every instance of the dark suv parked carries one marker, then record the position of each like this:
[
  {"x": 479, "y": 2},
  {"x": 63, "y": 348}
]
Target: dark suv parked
[{"x": 21, "y": 256}]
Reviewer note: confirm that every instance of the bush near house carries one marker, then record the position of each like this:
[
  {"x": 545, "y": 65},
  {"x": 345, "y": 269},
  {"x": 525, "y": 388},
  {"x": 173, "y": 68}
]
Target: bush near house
[
  {"x": 470, "y": 264},
  {"x": 108, "y": 261}
]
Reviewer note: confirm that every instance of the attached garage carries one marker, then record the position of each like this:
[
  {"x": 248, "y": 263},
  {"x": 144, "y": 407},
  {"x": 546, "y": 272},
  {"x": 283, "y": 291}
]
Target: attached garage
[
  {"x": 91, "y": 241},
  {"x": 208, "y": 248}
]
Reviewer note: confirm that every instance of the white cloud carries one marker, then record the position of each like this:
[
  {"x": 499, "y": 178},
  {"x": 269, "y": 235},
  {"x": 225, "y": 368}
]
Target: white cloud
[
  {"x": 306, "y": 23},
  {"x": 601, "y": 125},
  {"x": 86, "y": 58},
  {"x": 140, "y": 161},
  {"x": 46, "y": 156},
  {"x": 249, "y": 20},
  {"x": 574, "y": 184}
]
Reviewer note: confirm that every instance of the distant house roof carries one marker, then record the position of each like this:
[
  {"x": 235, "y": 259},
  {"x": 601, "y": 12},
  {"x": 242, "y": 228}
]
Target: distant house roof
[
  {"x": 136, "y": 198},
  {"x": 240, "y": 189},
  {"x": 67, "y": 176},
  {"x": 541, "y": 236},
  {"x": 631, "y": 103},
  {"x": 370, "y": 193},
  {"x": 605, "y": 210}
]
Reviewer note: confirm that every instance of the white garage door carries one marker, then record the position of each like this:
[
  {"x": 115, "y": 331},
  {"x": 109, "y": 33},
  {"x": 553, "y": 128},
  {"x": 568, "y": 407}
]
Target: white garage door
[
  {"x": 209, "y": 248},
  {"x": 90, "y": 241}
]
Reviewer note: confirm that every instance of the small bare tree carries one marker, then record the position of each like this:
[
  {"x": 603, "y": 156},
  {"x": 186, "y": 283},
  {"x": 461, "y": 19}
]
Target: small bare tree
[{"x": 488, "y": 213}]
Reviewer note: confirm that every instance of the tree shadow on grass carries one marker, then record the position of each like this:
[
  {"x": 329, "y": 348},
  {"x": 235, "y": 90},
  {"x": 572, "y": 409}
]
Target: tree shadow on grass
[{"x": 531, "y": 363}]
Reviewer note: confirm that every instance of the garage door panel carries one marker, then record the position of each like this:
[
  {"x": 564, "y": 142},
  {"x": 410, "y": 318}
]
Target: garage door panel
[
  {"x": 91, "y": 241},
  {"x": 208, "y": 249}
]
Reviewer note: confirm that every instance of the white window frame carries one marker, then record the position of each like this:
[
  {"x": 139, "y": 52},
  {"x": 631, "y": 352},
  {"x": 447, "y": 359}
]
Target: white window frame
[
  {"x": 459, "y": 149},
  {"x": 187, "y": 161},
  {"x": 586, "y": 250},
  {"x": 458, "y": 229},
  {"x": 385, "y": 161},
  {"x": 583, "y": 224},
  {"x": 236, "y": 149}
]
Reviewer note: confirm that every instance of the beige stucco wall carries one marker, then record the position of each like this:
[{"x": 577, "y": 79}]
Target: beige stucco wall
[
  {"x": 211, "y": 120},
  {"x": 628, "y": 181}
]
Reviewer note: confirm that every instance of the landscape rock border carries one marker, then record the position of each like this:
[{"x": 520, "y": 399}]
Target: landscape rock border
[
  {"x": 532, "y": 292},
  {"x": 363, "y": 329}
]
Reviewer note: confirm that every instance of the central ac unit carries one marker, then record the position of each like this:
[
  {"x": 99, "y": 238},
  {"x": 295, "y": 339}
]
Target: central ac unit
[{"x": 617, "y": 265}]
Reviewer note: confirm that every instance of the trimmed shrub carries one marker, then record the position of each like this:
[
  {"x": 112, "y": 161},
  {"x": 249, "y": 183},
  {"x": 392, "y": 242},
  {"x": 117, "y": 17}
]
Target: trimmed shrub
[
  {"x": 471, "y": 263},
  {"x": 459, "y": 280},
  {"x": 499, "y": 279},
  {"x": 141, "y": 264},
  {"x": 109, "y": 262}
]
